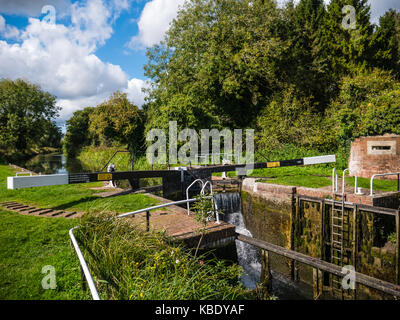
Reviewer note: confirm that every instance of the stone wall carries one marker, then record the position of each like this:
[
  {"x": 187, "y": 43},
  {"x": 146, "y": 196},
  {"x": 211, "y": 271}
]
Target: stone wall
[{"x": 372, "y": 155}]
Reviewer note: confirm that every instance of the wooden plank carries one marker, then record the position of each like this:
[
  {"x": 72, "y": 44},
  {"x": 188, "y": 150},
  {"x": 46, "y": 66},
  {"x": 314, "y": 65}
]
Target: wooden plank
[{"x": 384, "y": 286}]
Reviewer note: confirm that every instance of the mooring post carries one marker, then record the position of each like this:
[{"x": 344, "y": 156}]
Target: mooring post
[
  {"x": 266, "y": 277},
  {"x": 147, "y": 221},
  {"x": 317, "y": 283}
]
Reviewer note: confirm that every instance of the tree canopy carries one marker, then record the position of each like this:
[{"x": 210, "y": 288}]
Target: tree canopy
[{"x": 26, "y": 118}]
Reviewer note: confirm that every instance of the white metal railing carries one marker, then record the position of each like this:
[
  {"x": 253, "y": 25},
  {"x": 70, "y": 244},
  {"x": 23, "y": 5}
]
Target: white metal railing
[
  {"x": 343, "y": 181},
  {"x": 82, "y": 261},
  {"x": 381, "y": 175},
  {"x": 212, "y": 199},
  {"x": 334, "y": 181},
  {"x": 84, "y": 267},
  {"x": 187, "y": 192}
]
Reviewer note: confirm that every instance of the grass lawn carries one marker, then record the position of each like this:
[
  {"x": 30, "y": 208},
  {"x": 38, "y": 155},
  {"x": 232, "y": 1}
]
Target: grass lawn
[
  {"x": 306, "y": 176},
  {"x": 28, "y": 243},
  {"x": 312, "y": 177},
  {"x": 379, "y": 184},
  {"x": 72, "y": 197}
]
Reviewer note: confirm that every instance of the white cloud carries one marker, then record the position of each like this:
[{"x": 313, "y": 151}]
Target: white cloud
[
  {"x": 154, "y": 22},
  {"x": 7, "y": 31},
  {"x": 62, "y": 59},
  {"x": 134, "y": 91}
]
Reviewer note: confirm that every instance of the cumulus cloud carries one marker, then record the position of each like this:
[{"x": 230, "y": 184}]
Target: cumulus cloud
[
  {"x": 154, "y": 22},
  {"x": 62, "y": 59},
  {"x": 7, "y": 31},
  {"x": 134, "y": 91}
]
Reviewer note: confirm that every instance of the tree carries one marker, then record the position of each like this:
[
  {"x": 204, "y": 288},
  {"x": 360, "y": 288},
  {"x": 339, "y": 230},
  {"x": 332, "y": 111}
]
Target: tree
[
  {"x": 368, "y": 104},
  {"x": 77, "y": 135},
  {"x": 118, "y": 120},
  {"x": 387, "y": 38},
  {"x": 226, "y": 57},
  {"x": 348, "y": 50},
  {"x": 24, "y": 108},
  {"x": 308, "y": 67}
]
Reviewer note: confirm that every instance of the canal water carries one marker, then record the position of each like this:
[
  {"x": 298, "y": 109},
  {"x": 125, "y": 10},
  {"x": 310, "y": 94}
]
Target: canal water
[{"x": 52, "y": 164}]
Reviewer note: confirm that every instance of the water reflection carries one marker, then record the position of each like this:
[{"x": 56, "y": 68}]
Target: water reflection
[{"x": 52, "y": 164}]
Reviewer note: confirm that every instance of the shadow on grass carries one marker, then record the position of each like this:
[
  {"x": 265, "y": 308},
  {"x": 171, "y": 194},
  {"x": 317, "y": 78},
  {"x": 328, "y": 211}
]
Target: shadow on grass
[{"x": 73, "y": 204}]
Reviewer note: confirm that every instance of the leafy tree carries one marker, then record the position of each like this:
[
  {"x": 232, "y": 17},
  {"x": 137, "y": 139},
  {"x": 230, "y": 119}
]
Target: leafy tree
[
  {"x": 387, "y": 38},
  {"x": 368, "y": 104},
  {"x": 77, "y": 135},
  {"x": 225, "y": 57},
  {"x": 117, "y": 120},
  {"x": 288, "y": 119},
  {"x": 309, "y": 66},
  {"x": 26, "y": 114},
  {"x": 348, "y": 50}
]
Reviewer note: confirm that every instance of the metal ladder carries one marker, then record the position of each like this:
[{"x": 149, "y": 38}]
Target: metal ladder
[
  {"x": 338, "y": 224},
  {"x": 337, "y": 241}
]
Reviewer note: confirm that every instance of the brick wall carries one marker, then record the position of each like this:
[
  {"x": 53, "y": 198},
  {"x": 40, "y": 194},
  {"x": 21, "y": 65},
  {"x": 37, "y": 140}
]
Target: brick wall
[{"x": 372, "y": 155}]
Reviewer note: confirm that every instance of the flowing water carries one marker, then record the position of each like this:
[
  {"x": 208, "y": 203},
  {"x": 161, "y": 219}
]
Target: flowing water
[{"x": 249, "y": 257}]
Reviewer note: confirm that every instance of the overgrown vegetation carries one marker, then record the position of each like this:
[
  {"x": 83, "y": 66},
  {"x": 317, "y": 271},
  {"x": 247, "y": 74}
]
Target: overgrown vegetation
[{"x": 130, "y": 263}]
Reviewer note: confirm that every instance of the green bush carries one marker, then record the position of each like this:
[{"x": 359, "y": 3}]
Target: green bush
[{"x": 368, "y": 104}]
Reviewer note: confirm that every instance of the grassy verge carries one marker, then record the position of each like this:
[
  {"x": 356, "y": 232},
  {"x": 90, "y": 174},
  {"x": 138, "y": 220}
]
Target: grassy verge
[
  {"x": 134, "y": 264},
  {"x": 379, "y": 184},
  {"x": 27, "y": 245},
  {"x": 78, "y": 197}
]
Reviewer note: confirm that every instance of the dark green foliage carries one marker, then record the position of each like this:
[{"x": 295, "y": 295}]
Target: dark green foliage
[
  {"x": 387, "y": 38},
  {"x": 26, "y": 119},
  {"x": 77, "y": 135},
  {"x": 368, "y": 104}
]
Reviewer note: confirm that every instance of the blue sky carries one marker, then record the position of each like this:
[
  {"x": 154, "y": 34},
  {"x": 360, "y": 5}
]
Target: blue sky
[{"x": 94, "y": 47}]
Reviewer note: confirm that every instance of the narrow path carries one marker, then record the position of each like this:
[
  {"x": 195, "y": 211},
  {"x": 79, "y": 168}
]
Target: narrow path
[{"x": 40, "y": 212}]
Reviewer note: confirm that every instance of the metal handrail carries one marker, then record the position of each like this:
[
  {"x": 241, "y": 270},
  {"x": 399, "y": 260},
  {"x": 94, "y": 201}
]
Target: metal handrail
[
  {"x": 212, "y": 199},
  {"x": 187, "y": 192},
  {"x": 157, "y": 207},
  {"x": 84, "y": 267},
  {"x": 334, "y": 181},
  {"x": 82, "y": 261},
  {"x": 381, "y": 175},
  {"x": 343, "y": 176}
]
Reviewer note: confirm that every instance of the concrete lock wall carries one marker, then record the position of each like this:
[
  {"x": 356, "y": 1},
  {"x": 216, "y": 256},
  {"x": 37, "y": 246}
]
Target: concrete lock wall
[{"x": 373, "y": 155}]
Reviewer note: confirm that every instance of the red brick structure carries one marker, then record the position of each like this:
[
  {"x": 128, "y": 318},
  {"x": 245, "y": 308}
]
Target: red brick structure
[{"x": 377, "y": 154}]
